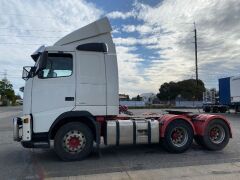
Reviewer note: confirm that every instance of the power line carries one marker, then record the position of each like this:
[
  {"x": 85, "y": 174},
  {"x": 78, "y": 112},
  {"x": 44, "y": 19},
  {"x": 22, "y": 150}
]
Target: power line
[
  {"x": 41, "y": 30},
  {"x": 26, "y": 15},
  {"x": 8, "y": 35},
  {"x": 5, "y": 74},
  {"x": 19, "y": 44}
]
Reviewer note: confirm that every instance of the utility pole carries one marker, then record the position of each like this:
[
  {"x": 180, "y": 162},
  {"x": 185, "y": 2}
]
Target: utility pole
[
  {"x": 196, "y": 60},
  {"x": 5, "y": 74}
]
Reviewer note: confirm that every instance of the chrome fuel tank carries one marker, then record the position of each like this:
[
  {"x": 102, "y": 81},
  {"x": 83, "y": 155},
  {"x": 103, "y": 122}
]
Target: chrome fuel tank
[{"x": 133, "y": 131}]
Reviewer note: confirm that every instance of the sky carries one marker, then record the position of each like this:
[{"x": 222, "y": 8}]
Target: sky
[{"x": 154, "y": 38}]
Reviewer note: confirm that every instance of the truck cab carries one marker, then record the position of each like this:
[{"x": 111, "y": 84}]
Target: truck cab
[{"x": 77, "y": 76}]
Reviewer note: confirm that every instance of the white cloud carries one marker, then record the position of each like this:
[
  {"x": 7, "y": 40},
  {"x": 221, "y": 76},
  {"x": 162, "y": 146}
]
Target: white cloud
[
  {"x": 165, "y": 29},
  {"x": 121, "y": 15},
  {"x": 169, "y": 25},
  {"x": 37, "y": 22},
  {"x": 130, "y": 41},
  {"x": 142, "y": 29},
  {"x": 130, "y": 80}
]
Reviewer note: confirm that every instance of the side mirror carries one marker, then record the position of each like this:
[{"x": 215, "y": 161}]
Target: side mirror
[
  {"x": 32, "y": 70},
  {"x": 40, "y": 74},
  {"x": 26, "y": 73}
]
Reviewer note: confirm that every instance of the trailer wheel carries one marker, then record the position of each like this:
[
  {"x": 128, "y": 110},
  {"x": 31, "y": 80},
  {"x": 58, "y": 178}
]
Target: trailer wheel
[
  {"x": 178, "y": 137},
  {"x": 215, "y": 109},
  {"x": 216, "y": 135},
  {"x": 73, "y": 141},
  {"x": 223, "y": 110},
  {"x": 207, "y": 109}
]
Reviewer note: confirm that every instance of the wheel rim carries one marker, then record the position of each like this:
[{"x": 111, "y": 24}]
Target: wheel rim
[
  {"x": 179, "y": 136},
  {"x": 217, "y": 134},
  {"x": 74, "y": 141}
]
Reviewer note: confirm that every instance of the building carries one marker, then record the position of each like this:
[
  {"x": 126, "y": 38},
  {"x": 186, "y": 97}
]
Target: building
[
  {"x": 148, "y": 97},
  {"x": 123, "y": 97}
]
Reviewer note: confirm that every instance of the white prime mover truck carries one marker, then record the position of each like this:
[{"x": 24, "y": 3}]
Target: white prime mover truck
[{"x": 71, "y": 98}]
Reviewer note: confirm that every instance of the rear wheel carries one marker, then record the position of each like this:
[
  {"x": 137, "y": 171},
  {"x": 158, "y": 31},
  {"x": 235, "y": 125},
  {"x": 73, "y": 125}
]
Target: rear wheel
[
  {"x": 178, "y": 136},
  {"x": 198, "y": 140},
  {"x": 216, "y": 135},
  {"x": 73, "y": 141}
]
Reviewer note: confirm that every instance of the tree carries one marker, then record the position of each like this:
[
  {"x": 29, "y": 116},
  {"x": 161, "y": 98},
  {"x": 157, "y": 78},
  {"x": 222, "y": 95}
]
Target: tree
[
  {"x": 6, "y": 91},
  {"x": 188, "y": 89},
  {"x": 138, "y": 98}
]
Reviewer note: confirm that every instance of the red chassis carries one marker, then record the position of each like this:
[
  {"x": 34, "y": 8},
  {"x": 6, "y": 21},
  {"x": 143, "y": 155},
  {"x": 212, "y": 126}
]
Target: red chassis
[{"x": 210, "y": 131}]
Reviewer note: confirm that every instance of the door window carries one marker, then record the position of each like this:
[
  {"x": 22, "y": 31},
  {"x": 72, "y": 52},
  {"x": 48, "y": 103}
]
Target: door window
[{"x": 58, "y": 65}]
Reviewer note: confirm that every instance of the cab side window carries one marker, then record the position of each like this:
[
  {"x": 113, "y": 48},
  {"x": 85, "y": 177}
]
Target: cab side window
[{"x": 58, "y": 65}]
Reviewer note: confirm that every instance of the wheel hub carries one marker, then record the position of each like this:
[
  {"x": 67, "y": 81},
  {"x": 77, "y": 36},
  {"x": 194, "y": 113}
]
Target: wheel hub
[
  {"x": 74, "y": 141},
  {"x": 179, "y": 136},
  {"x": 217, "y": 134}
]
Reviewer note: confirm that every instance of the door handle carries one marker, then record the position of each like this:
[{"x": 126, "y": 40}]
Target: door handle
[{"x": 69, "y": 98}]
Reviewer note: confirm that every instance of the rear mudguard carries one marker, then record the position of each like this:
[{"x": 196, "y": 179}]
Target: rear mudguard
[
  {"x": 198, "y": 122},
  {"x": 201, "y": 122},
  {"x": 166, "y": 119}
]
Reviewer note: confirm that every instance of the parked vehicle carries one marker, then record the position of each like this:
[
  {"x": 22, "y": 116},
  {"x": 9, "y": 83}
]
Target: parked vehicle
[
  {"x": 235, "y": 92},
  {"x": 229, "y": 96},
  {"x": 71, "y": 97},
  {"x": 124, "y": 110}
]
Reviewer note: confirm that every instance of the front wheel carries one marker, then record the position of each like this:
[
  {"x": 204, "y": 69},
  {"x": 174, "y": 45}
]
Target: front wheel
[
  {"x": 178, "y": 136},
  {"x": 73, "y": 141}
]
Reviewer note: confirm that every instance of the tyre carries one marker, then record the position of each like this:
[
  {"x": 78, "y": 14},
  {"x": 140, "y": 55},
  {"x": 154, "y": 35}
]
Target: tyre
[
  {"x": 222, "y": 109},
  {"x": 178, "y": 136},
  {"x": 199, "y": 140},
  {"x": 207, "y": 109},
  {"x": 73, "y": 141},
  {"x": 215, "y": 109},
  {"x": 216, "y": 135}
]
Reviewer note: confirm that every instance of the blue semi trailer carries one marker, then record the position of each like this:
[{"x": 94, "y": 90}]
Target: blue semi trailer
[{"x": 229, "y": 96}]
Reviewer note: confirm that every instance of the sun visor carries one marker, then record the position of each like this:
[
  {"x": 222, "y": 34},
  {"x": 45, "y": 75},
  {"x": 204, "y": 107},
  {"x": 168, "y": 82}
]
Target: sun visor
[{"x": 37, "y": 53}]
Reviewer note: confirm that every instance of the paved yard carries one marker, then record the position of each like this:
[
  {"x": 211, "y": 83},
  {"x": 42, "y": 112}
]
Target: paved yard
[{"x": 19, "y": 163}]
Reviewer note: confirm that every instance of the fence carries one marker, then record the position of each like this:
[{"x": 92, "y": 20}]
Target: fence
[
  {"x": 188, "y": 103},
  {"x": 132, "y": 103}
]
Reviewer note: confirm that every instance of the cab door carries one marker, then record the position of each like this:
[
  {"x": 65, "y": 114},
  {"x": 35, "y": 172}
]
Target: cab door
[
  {"x": 53, "y": 90},
  {"x": 91, "y": 82}
]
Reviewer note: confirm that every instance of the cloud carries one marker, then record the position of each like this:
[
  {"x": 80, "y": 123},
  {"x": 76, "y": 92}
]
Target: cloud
[
  {"x": 25, "y": 25},
  {"x": 129, "y": 71},
  {"x": 141, "y": 29},
  {"x": 154, "y": 43},
  {"x": 130, "y": 41},
  {"x": 169, "y": 26},
  {"x": 121, "y": 15}
]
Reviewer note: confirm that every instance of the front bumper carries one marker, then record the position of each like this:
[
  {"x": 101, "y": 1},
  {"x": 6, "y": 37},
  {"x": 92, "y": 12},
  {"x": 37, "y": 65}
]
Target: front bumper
[
  {"x": 22, "y": 128},
  {"x": 17, "y": 128}
]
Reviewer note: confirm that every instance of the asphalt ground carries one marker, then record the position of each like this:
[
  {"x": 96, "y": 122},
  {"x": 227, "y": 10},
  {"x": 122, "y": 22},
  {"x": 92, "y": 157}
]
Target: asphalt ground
[{"x": 17, "y": 162}]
